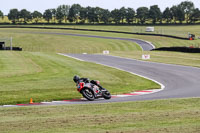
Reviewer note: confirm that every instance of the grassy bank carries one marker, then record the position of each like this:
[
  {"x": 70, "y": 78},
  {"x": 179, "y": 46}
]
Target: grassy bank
[
  {"x": 48, "y": 76},
  {"x": 161, "y": 116},
  {"x": 31, "y": 40},
  {"x": 176, "y": 30},
  {"x": 41, "y": 74},
  {"x": 180, "y": 58}
]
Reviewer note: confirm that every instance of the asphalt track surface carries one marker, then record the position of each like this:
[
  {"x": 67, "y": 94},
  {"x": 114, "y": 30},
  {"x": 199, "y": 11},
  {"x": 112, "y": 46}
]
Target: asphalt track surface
[{"x": 179, "y": 81}]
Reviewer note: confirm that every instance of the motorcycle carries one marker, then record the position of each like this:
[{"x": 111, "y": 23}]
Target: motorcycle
[{"x": 91, "y": 90}]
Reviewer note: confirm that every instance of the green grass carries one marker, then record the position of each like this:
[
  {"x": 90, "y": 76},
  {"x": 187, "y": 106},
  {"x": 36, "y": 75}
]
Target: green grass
[
  {"x": 41, "y": 74},
  {"x": 45, "y": 76},
  {"x": 187, "y": 59},
  {"x": 160, "y": 116},
  {"x": 29, "y": 41},
  {"x": 176, "y": 30},
  {"x": 48, "y": 76}
]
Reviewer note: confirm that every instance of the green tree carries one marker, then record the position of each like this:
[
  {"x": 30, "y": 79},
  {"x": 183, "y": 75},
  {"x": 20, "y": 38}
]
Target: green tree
[
  {"x": 1, "y": 14},
  {"x": 25, "y": 15},
  {"x": 195, "y": 15},
  {"x": 115, "y": 16},
  {"x": 122, "y": 14},
  {"x": 167, "y": 15},
  {"x": 174, "y": 11},
  {"x": 97, "y": 14},
  {"x": 37, "y": 16},
  {"x": 47, "y": 15},
  {"x": 130, "y": 15},
  {"x": 188, "y": 8},
  {"x": 142, "y": 14},
  {"x": 13, "y": 15},
  {"x": 104, "y": 16},
  {"x": 65, "y": 11},
  {"x": 74, "y": 13},
  {"x": 59, "y": 14},
  {"x": 180, "y": 14},
  {"x": 53, "y": 11},
  {"x": 155, "y": 13},
  {"x": 92, "y": 14},
  {"x": 83, "y": 14}
]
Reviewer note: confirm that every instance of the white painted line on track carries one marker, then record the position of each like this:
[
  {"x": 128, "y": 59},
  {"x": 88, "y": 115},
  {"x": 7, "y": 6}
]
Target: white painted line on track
[
  {"x": 137, "y": 93},
  {"x": 46, "y": 102},
  {"x": 70, "y": 57},
  {"x": 162, "y": 86},
  {"x": 59, "y": 101},
  {"x": 146, "y": 42},
  {"x": 149, "y": 43},
  {"x": 9, "y": 105}
]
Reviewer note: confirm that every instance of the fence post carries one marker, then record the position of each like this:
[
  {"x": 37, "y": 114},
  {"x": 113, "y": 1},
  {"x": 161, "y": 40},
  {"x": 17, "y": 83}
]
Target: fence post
[{"x": 11, "y": 48}]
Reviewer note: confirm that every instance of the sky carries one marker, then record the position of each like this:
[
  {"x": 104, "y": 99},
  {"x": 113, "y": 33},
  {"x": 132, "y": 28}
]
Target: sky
[{"x": 42, "y": 5}]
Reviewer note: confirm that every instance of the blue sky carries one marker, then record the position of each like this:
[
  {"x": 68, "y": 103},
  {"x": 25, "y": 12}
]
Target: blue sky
[{"x": 42, "y": 5}]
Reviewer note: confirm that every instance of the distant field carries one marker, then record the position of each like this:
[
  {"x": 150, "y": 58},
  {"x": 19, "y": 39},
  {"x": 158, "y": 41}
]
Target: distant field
[
  {"x": 176, "y": 30},
  {"x": 48, "y": 76},
  {"x": 32, "y": 40},
  {"x": 160, "y": 116},
  {"x": 29, "y": 41}
]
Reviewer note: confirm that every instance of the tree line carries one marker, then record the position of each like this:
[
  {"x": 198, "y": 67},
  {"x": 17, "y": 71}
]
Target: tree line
[{"x": 183, "y": 12}]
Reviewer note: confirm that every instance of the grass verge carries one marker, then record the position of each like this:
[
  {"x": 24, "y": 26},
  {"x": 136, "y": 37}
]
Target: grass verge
[
  {"x": 30, "y": 41},
  {"x": 35, "y": 40},
  {"x": 180, "y": 58},
  {"x": 48, "y": 76},
  {"x": 176, "y": 30},
  {"x": 160, "y": 116}
]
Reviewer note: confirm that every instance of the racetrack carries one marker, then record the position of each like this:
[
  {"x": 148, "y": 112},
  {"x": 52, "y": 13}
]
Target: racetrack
[{"x": 179, "y": 81}]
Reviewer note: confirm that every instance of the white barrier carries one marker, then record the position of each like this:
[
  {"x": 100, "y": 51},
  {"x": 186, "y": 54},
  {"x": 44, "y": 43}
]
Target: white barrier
[
  {"x": 149, "y": 29},
  {"x": 106, "y": 52},
  {"x": 146, "y": 57}
]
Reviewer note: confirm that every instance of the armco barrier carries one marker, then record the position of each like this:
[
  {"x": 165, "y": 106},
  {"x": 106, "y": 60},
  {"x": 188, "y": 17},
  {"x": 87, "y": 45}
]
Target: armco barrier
[
  {"x": 13, "y": 48},
  {"x": 149, "y": 34},
  {"x": 179, "y": 49}
]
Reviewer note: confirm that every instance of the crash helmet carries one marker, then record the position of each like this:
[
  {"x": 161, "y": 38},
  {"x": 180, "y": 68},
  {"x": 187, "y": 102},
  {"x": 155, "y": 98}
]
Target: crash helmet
[{"x": 76, "y": 78}]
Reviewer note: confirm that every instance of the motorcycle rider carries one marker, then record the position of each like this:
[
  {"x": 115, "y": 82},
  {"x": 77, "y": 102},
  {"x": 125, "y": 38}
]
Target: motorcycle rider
[
  {"x": 77, "y": 79},
  {"x": 92, "y": 88}
]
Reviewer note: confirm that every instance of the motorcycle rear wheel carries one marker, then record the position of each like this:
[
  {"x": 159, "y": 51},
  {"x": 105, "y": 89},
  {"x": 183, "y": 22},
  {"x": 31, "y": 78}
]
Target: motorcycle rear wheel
[{"x": 88, "y": 94}]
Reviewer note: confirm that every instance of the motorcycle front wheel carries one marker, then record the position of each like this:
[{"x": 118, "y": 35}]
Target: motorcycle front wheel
[
  {"x": 88, "y": 94},
  {"x": 106, "y": 94}
]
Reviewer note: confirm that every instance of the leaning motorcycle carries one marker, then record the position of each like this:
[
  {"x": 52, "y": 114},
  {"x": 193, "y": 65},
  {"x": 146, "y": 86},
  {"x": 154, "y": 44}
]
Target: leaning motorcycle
[{"x": 92, "y": 90}]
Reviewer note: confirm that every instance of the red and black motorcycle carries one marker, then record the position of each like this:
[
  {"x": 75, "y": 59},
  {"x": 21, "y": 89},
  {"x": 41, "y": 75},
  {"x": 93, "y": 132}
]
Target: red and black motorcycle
[{"x": 91, "y": 90}]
